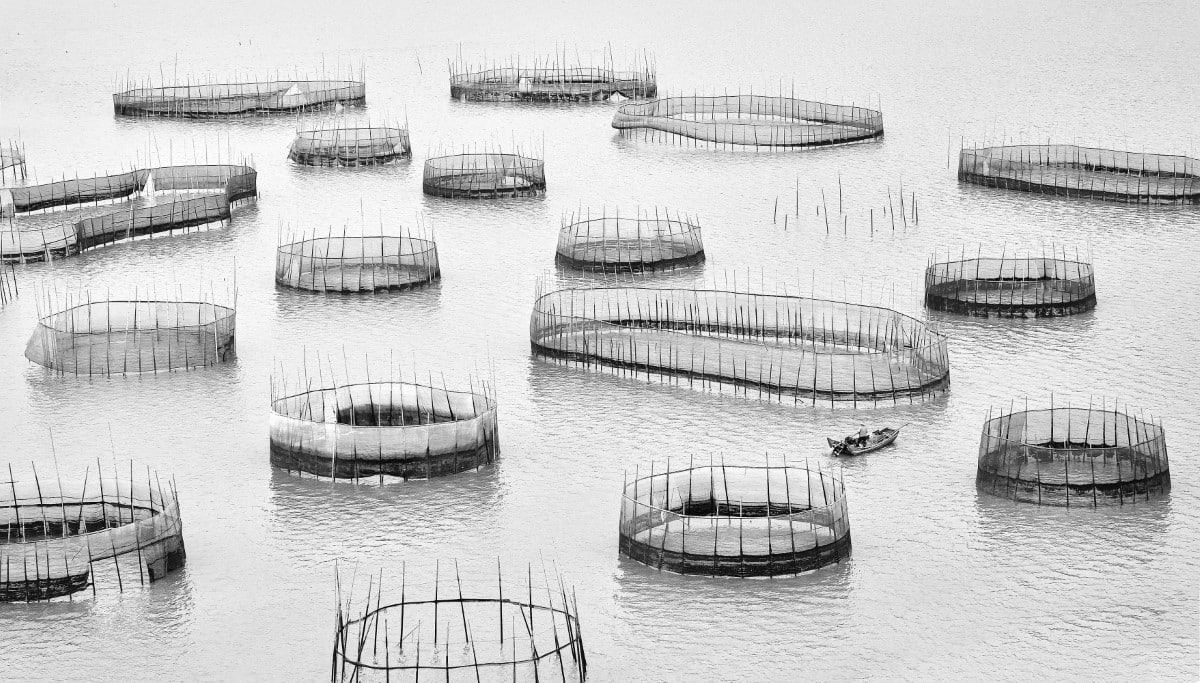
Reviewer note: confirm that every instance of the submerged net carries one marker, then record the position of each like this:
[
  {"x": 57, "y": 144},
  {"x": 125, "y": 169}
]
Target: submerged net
[
  {"x": 615, "y": 244},
  {"x": 357, "y": 263},
  {"x": 54, "y": 535},
  {"x": 1074, "y": 171},
  {"x": 550, "y": 83},
  {"x": 751, "y": 120},
  {"x": 1073, "y": 456},
  {"x": 484, "y": 175},
  {"x": 1016, "y": 287},
  {"x": 124, "y": 337},
  {"x": 238, "y": 99},
  {"x": 720, "y": 520},
  {"x": 782, "y": 346},
  {"x": 341, "y": 146}
]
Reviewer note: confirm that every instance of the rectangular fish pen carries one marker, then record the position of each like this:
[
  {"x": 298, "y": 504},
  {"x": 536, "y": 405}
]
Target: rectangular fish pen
[{"x": 553, "y": 79}]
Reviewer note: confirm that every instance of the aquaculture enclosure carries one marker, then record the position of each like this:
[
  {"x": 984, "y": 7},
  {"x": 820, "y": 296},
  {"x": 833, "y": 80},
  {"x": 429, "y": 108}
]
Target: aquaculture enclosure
[
  {"x": 741, "y": 521},
  {"x": 1073, "y": 456},
  {"x": 519, "y": 626},
  {"x": 12, "y": 162},
  {"x": 782, "y": 347},
  {"x": 350, "y": 146},
  {"x": 1074, "y": 171},
  {"x": 381, "y": 428},
  {"x": 551, "y": 81},
  {"x": 749, "y": 120},
  {"x": 118, "y": 337},
  {"x": 8, "y": 283},
  {"x": 238, "y": 99},
  {"x": 615, "y": 244},
  {"x": 56, "y": 537},
  {"x": 484, "y": 176},
  {"x": 356, "y": 263},
  {"x": 1011, "y": 286}
]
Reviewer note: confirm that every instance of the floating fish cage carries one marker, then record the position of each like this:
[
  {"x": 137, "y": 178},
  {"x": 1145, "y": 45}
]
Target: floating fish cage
[
  {"x": 56, "y": 537},
  {"x": 1074, "y": 171},
  {"x": 615, "y": 244},
  {"x": 347, "y": 146},
  {"x": 484, "y": 176},
  {"x": 743, "y": 521},
  {"x": 1011, "y": 286},
  {"x": 12, "y": 162},
  {"x": 759, "y": 121},
  {"x": 1073, "y": 456},
  {"x": 783, "y": 347},
  {"x": 216, "y": 100},
  {"x": 381, "y": 428},
  {"x": 551, "y": 81},
  {"x": 521, "y": 626},
  {"x": 120, "y": 337},
  {"x": 199, "y": 195},
  {"x": 356, "y": 263}
]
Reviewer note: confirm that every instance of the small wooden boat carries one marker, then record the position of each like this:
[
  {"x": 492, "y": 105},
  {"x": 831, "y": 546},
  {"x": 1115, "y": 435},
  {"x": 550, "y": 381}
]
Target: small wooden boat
[{"x": 877, "y": 439}]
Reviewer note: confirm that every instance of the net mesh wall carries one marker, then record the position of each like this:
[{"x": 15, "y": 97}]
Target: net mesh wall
[
  {"x": 123, "y": 337},
  {"x": 238, "y": 99},
  {"x": 357, "y": 263},
  {"x": 362, "y": 146},
  {"x": 517, "y": 626},
  {"x": 484, "y": 175},
  {"x": 783, "y": 346},
  {"x": 55, "y": 535},
  {"x": 1073, "y": 456},
  {"x": 382, "y": 428},
  {"x": 615, "y": 244},
  {"x": 550, "y": 83},
  {"x": 1074, "y": 171},
  {"x": 719, "y": 520},
  {"x": 1011, "y": 286},
  {"x": 751, "y": 120}
]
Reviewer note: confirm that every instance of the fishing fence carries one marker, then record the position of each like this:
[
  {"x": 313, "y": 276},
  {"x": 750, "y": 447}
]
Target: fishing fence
[
  {"x": 1074, "y": 171},
  {"x": 550, "y": 82},
  {"x": 356, "y": 263},
  {"x": 56, "y": 536},
  {"x": 238, "y": 99},
  {"x": 484, "y": 176},
  {"x": 614, "y": 244},
  {"x": 742, "y": 520},
  {"x": 343, "y": 146},
  {"x": 781, "y": 346},
  {"x": 749, "y": 120},
  {"x": 1073, "y": 456},
  {"x": 1011, "y": 286}
]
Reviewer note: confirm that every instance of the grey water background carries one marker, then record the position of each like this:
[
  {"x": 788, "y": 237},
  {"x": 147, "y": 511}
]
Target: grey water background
[{"x": 944, "y": 582}]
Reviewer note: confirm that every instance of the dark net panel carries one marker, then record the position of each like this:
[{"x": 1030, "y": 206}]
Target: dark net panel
[
  {"x": 484, "y": 176},
  {"x": 238, "y": 99},
  {"x": 615, "y": 244},
  {"x": 1010, "y": 286}
]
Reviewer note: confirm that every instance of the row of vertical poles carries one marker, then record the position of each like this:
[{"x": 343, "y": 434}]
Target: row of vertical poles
[
  {"x": 484, "y": 175},
  {"x": 550, "y": 79},
  {"x": 206, "y": 99},
  {"x": 909, "y": 211},
  {"x": 350, "y": 146},
  {"x": 606, "y": 240}
]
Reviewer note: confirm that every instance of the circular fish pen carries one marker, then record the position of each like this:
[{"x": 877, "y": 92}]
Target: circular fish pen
[
  {"x": 516, "y": 626},
  {"x": 382, "y": 429},
  {"x": 1073, "y": 456},
  {"x": 119, "y": 337},
  {"x": 216, "y": 100},
  {"x": 550, "y": 83},
  {"x": 358, "y": 263},
  {"x": 783, "y": 347},
  {"x": 750, "y": 121},
  {"x": 55, "y": 537},
  {"x": 339, "y": 146},
  {"x": 742, "y": 521},
  {"x": 1073, "y": 171},
  {"x": 614, "y": 244},
  {"x": 1011, "y": 287},
  {"x": 484, "y": 176}
]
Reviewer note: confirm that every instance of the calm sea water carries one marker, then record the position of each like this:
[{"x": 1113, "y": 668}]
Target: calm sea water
[{"x": 943, "y": 582}]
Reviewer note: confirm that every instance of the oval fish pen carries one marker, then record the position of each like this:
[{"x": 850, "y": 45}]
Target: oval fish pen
[
  {"x": 719, "y": 520},
  {"x": 615, "y": 244},
  {"x": 340, "y": 146},
  {"x": 55, "y": 537},
  {"x": 357, "y": 263},
  {"x": 119, "y": 337},
  {"x": 1073, "y": 171},
  {"x": 382, "y": 428},
  {"x": 781, "y": 346},
  {"x": 238, "y": 99},
  {"x": 518, "y": 626},
  {"x": 550, "y": 82},
  {"x": 750, "y": 120},
  {"x": 1011, "y": 287},
  {"x": 484, "y": 176},
  {"x": 1073, "y": 456}
]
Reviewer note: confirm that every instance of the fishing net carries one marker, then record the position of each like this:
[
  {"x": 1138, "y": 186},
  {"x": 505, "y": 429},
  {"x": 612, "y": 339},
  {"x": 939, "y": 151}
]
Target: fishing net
[
  {"x": 1011, "y": 286},
  {"x": 615, "y": 244},
  {"x": 350, "y": 146},
  {"x": 357, "y": 263},
  {"x": 238, "y": 99},
  {"x": 484, "y": 175}
]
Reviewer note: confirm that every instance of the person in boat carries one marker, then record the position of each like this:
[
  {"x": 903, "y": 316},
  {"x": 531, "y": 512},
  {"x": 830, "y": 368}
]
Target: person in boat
[{"x": 863, "y": 436}]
